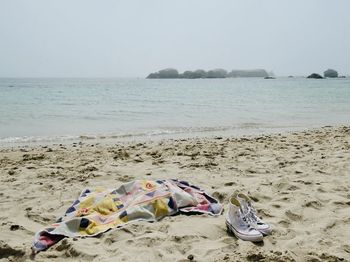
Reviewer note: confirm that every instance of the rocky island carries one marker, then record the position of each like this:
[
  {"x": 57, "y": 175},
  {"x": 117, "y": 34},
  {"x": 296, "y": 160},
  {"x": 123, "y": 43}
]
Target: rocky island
[
  {"x": 330, "y": 73},
  {"x": 171, "y": 73},
  {"x": 315, "y": 76}
]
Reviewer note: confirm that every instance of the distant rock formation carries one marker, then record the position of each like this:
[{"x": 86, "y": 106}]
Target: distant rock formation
[
  {"x": 217, "y": 73},
  {"x": 315, "y": 76},
  {"x": 168, "y": 73},
  {"x": 171, "y": 73},
  {"x": 194, "y": 74},
  {"x": 331, "y": 73},
  {"x": 248, "y": 73}
]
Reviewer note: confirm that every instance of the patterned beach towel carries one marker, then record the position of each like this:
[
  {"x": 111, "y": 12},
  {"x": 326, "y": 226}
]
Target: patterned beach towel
[{"x": 97, "y": 211}]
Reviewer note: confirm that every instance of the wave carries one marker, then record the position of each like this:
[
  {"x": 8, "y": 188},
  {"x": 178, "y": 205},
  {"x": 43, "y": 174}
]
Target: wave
[
  {"x": 160, "y": 132},
  {"x": 30, "y": 139}
]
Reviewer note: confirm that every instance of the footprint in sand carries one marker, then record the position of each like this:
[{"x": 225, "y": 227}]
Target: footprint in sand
[
  {"x": 125, "y": 178},
  {"x": 346, "y": 248},
  {"x": 341, "y": 203},
  {"x": 272, "y": 256},
  {"x": 313, "y": 256},
  {"x": 230, "y": 184},
  {"x": 293, "y": 188},
  {"x": 276, "y": 205},
  {"x": 284, "y": 223},
  {"x": 70, "y": 251},
  {"x": 314, "y": 204},
  {"x": 7, "y": 251},
  {"x": 293, "y": 216},
  {"x": 285, "y": 234},
  {"x": 220, "y": 196},
  {"x": 265, "y": 213}
]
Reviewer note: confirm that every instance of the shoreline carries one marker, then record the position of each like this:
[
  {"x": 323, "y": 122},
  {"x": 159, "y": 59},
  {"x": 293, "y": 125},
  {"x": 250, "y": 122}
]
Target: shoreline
[
  {"x": 144, "y": 137},
  {"x": 298, "y": 181}
]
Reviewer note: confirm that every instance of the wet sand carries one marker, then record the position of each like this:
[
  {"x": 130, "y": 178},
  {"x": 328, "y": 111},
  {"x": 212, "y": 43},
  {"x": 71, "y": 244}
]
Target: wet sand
[{"x": 299, "y": 183}]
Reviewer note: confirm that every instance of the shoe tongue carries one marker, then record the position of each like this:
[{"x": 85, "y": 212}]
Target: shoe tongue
[{"x": 243, "y": 206}]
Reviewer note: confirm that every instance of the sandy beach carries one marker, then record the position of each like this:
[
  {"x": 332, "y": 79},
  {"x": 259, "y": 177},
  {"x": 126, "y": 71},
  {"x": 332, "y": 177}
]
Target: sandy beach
[{"x": 299, "y": 183}]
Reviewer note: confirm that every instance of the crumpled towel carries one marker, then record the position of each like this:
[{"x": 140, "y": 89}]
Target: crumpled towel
[{"x": 96, "y": 211}]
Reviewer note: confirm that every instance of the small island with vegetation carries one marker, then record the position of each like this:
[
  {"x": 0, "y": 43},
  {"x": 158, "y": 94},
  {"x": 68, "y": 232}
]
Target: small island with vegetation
[{"x": 171, "y": 73}]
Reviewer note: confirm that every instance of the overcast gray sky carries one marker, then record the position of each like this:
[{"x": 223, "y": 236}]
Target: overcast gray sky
[{"x": 112, "y": 38}]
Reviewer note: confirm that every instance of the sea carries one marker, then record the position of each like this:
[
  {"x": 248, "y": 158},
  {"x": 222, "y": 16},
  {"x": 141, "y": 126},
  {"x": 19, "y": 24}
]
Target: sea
[{"x": 45, "y": 110}]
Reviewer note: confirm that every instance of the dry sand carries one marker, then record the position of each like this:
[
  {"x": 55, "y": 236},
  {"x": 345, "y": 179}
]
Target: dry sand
[{"x": 299, "y": 181}]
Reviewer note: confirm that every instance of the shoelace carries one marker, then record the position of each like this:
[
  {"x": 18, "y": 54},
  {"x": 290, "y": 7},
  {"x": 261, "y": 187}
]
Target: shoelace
[
  {"x": 249, "y": 213},
  {"x": 253, "y": 214},
  {"x": 245, "y": 217}
]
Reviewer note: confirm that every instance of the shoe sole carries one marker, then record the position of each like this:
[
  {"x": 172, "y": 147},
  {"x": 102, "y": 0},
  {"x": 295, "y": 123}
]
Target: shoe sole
[
  {"x": 265, "y": 232},
  {"x": 257, "y": 238}
]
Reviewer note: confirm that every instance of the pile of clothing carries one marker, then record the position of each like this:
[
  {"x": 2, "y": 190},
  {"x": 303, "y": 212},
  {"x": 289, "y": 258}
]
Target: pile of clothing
[{"x": 100, "y": 210}]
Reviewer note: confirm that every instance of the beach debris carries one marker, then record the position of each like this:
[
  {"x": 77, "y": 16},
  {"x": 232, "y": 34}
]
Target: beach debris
[{"x": 14, "y": 227}]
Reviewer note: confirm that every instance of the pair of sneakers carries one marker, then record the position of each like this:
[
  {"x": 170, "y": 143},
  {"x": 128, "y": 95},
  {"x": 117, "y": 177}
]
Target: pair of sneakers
[{"x": 242, "y": 220}]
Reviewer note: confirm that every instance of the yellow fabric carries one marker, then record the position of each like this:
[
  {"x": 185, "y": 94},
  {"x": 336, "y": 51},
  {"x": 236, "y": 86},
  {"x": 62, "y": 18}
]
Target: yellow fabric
[
  {"x": 106, "y": 206},
  {"x": 87, "y": 203},
  {"x": 160, "y": 208}
]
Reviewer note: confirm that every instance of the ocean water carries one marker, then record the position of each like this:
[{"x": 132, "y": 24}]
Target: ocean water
[{"x": 67, "y": 109}]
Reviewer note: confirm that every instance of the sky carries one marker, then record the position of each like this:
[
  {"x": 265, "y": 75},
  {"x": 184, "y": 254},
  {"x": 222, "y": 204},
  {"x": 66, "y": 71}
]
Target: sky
[{"x": 114, "y": 38}]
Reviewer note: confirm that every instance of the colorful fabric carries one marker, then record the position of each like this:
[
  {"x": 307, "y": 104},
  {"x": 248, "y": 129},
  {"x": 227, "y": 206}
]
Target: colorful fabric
[{"x": 96, "y": 211}]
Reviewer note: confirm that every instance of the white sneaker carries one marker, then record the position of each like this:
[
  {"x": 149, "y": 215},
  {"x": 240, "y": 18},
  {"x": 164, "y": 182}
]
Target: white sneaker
[
  {"x": 238, "y": 224},
  {"x": 252, "y": 217}
]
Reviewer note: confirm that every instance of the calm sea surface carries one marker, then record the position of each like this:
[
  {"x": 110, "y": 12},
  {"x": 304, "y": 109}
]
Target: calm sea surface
[{"x": 64, "y": 109}]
